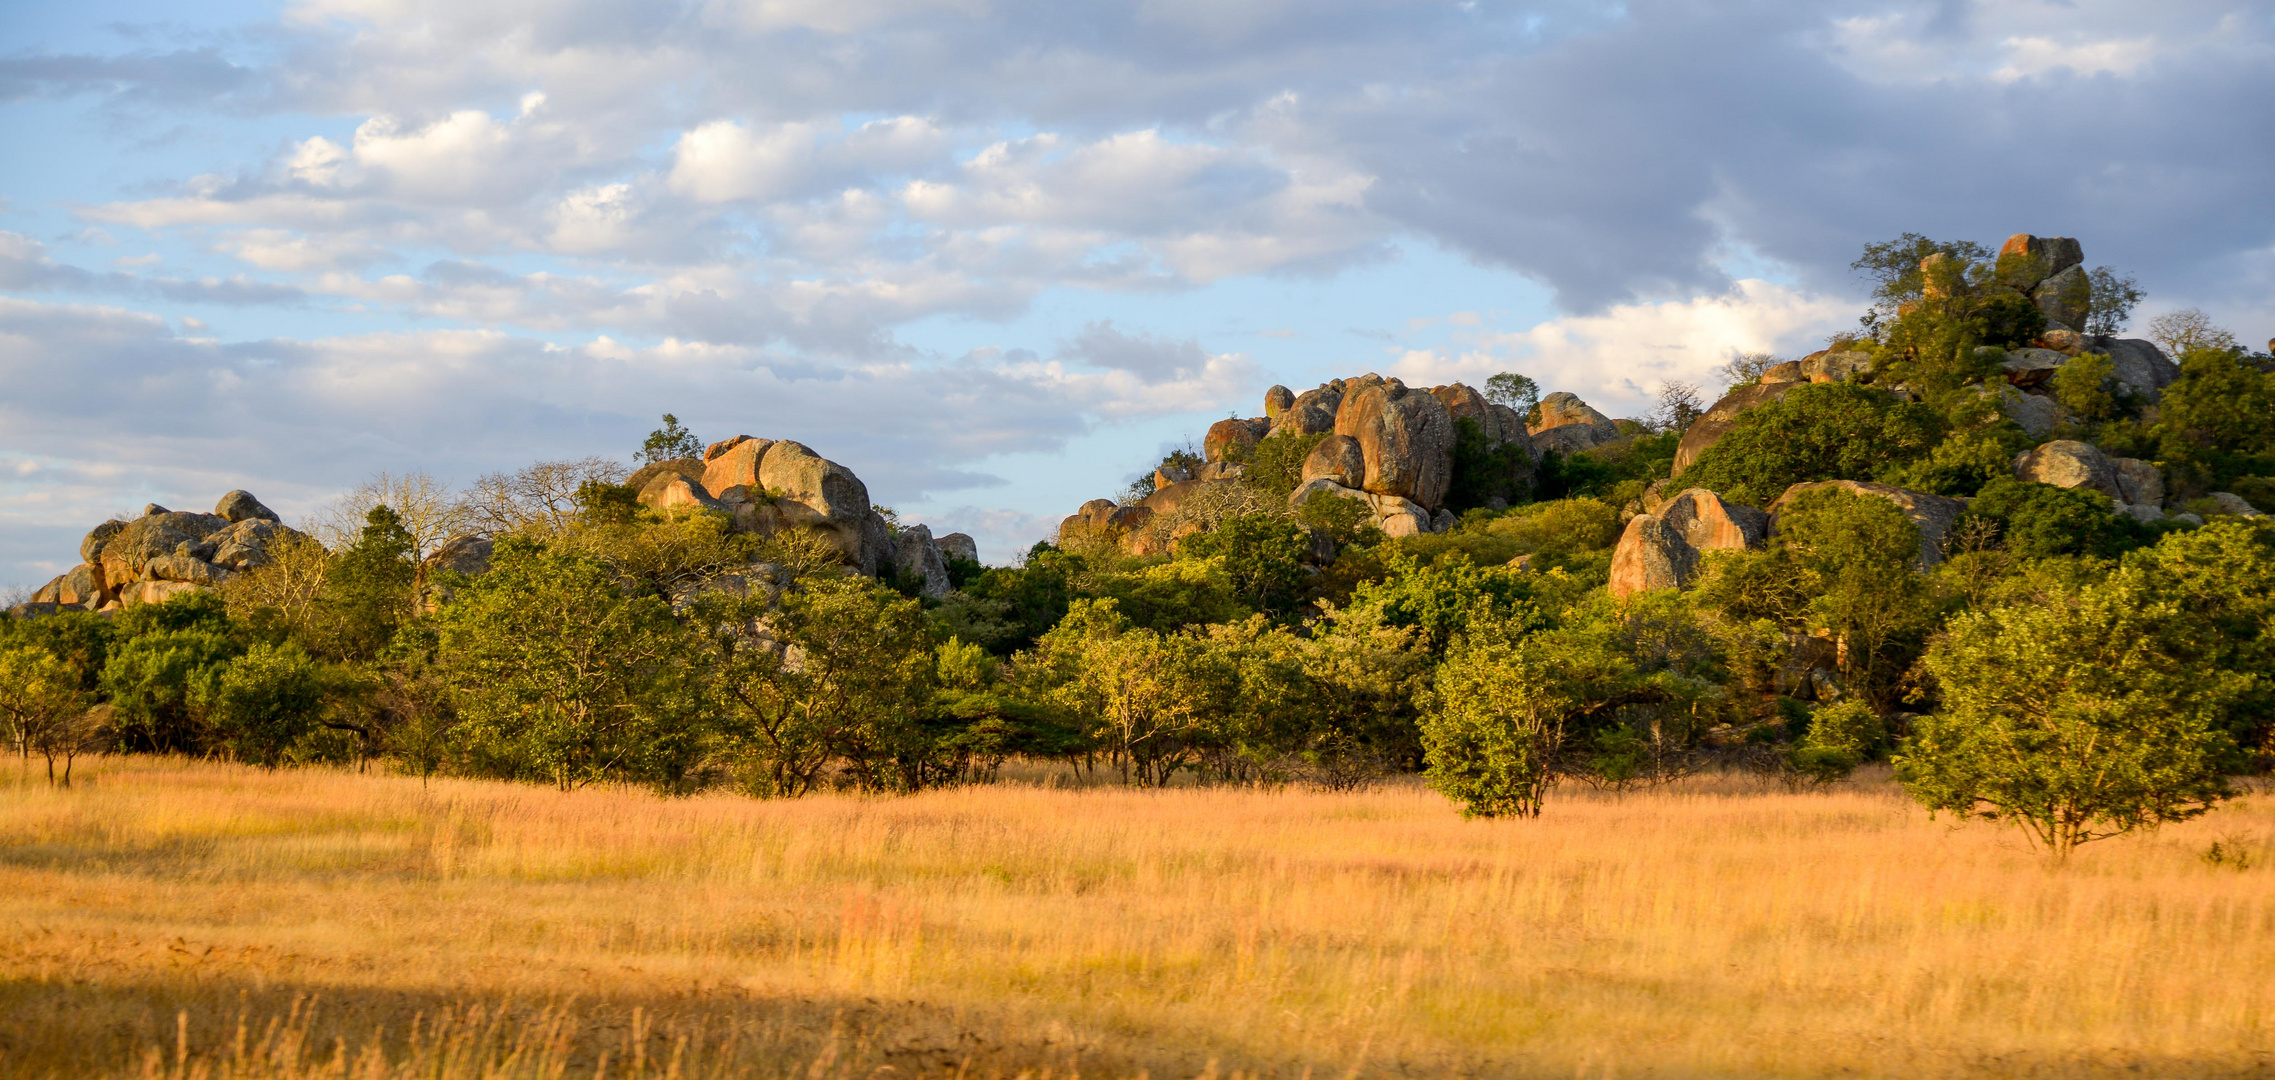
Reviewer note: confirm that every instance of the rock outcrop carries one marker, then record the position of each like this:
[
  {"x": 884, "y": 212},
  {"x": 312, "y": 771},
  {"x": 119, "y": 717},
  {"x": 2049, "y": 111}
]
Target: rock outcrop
[
  {"x": 1568, "y": 425},
  {"x": 163, "y": 554},
  {"x": 1405, "y": 437},
  {"x": 1661, "y": 550},
  {"x": 2067, "y": 463}
]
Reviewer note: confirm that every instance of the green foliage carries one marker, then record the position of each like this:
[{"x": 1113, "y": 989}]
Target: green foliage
[
  {"x": 1516, "y": 391},
  {"x": 1442, "y": 599},
  {"x": 1894, "y": 268},
  {"x": 1600, "y": 697},
  {"x": 1261, "y": 554},
  {"x": 2216, "y": 422},
  {"x": 368, "y": 590},
  {"x": 2111, "y": 302},
  {"x": 1275, "y": 465},
  {"x": 81, "y": 640},
  {"x": 847, "y": 679},
  {"x": 1484, "y": 473},
  {"x": 2087, "y": 387},
  {"x": 603, "y": 503},
  {"x": 1149, "y": 700},
  {"x": 669, "y": 442},
  {"x": 2223, "y": 577},
  {"x": 1343, "y": 521},
  {"x": 2037, "y": 521},
  {"x": 2077, "y": 719},
  {"x": 266, "y": 703},
  {"x": 1960, "y": 465},
  {"x": 1010, "y": 607},
  {"x": 666, "y": 556},
  {"x": 40, "y": 706},
  {"x": 1840, "y": 737},
  {"x": 1856, "y": 555},
  {"x": 157, "y": 681},
  {"x": 559, "y": 676},
  {"x": 1822, "y": 431},
  {"x": 1169, "y": 596}
]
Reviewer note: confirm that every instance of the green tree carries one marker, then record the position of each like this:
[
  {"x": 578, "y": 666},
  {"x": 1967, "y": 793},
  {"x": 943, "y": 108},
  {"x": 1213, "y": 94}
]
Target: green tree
[
  {"x": 1823, "y": 431},
  {"x": 2087, "y": 387},
  {"x": 1858, "y": 555},
  {"x": 670, "y": 442},
  {"x": 559, "y": 676},
  {"x": 2076, "y": 720},
  {"x": 2223, "y": 575},
  {"x": 266, "y": 702},
  {"x": 1262, "y": 555},
  {"x": 2112, "y": 299},
  {"x": 1516, "y": 391},
  {"x": 1893, "y": 266},
  {"x": 1275, "y": 465},
  {"x": 368, "y": 590},
  {"x": 42, "y": 707},
  {"x": 2216, "y": 422},
  {"x": 840, "y": 674},
  {"x": 157, "y": 682},
  {"x": 1153, "y": 702},
  {"x": 1441, "y": 599},
  {"x": 1496, "y": 728},
  {"x": 1484, "y": 472}
]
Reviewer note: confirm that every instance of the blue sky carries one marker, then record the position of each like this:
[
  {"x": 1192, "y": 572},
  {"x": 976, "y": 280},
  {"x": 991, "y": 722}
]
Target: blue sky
[{"x": 997, "y": 255}]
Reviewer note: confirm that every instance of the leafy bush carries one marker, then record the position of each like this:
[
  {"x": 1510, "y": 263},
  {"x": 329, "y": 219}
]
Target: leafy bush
[
  {"x": 266, "y": 702},
  {"x": 2216, "y": 422},
  {"x": 1822, "y": 431},
  {"x": 2038, "y": 521},
  {"x": 1262, "y": 555},
  {"x": 1275, "y": 466},
  {"x": 1484, "y": 473}
]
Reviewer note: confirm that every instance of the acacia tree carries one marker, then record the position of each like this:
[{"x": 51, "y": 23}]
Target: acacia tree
[
  {"x": 2077, "y": 719},
  {"x": 42, "y": 707}
]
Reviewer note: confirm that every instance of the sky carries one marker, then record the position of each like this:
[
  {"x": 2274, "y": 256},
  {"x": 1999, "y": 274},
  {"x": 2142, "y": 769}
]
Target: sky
[{"x": 998, "y": 256}]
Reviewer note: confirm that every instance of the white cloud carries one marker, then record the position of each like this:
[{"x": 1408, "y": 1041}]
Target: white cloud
[{"x": 1617, "y": 360}]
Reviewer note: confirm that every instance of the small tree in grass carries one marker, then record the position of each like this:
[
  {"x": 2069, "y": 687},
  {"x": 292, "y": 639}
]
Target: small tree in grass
[
  {"x": 2078, "y": 719},
  {"x": 42, "y": 707}
]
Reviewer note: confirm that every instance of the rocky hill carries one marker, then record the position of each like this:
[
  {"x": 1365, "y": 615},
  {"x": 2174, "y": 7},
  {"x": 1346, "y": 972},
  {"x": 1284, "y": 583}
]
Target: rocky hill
[{"x": 763, "y": 485}]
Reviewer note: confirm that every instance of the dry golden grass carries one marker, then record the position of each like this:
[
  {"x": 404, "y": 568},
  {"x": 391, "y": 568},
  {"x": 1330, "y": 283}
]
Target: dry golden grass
[{"x": 369, "y": 926}]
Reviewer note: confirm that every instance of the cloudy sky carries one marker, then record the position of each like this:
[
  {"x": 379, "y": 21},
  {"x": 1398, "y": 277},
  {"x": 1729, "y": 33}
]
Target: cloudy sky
[{"x": 997, "y": 255}]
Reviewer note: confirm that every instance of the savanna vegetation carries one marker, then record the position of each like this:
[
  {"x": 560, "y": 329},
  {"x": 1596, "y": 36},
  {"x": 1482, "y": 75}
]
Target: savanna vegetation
[{"x": 1680, "y": 847}]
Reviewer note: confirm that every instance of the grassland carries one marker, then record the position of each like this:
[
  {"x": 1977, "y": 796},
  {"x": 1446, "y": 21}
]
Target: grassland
[{"x": 169, "y": 918}]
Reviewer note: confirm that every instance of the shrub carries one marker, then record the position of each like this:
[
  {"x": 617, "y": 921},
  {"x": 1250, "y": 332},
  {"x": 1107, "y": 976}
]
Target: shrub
[
  {"x": 1484, "y": 473},
  {"x": 266, "y": 702},
  {"x": 1823, "y": 431},
  {"x": 1275, "y": 465},
  {"x": 2038, "y": 521}
]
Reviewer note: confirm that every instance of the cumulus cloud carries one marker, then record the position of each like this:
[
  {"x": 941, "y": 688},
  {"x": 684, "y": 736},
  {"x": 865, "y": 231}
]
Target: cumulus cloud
[{"x": 1618, "y": 359}]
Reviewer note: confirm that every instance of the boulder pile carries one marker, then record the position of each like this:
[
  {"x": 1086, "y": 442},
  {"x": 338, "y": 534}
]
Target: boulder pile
[
  {"x": 764, "y": 485},
  {"x": 1380, "y": 443},
  {"x": 767, "y": 485},
  {"x": 162, "y": 554},
  {"x": 2047, "y": 270}
]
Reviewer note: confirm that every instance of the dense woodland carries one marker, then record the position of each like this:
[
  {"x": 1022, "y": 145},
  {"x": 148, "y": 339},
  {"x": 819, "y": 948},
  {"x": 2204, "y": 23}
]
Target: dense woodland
[{"x": 2072, "y": 669}]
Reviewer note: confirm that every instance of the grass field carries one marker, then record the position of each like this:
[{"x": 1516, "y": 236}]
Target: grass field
[{"x": 187, "y": 919}]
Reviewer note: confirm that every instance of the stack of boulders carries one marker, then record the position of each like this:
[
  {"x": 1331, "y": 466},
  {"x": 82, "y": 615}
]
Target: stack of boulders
[
  {"x": 163, "y": 554},
  {"x": 1383, "y": 444},
  {"x": 2048, "y": 270},
  {"x": 1568, "y": 425},
  {"x": 2136, "y": 486},
  {"x": 767, "y": 485}
]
